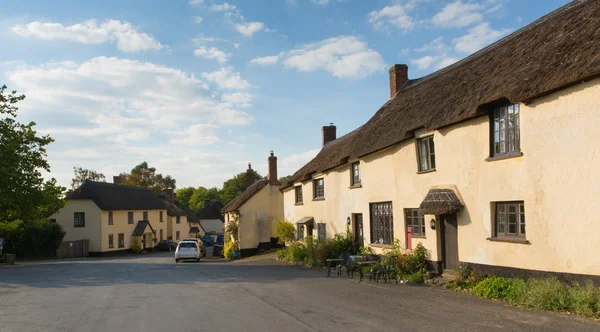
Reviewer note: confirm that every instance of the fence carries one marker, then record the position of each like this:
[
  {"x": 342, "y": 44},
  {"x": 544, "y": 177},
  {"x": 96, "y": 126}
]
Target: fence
[{"x": 73, "y": 249}]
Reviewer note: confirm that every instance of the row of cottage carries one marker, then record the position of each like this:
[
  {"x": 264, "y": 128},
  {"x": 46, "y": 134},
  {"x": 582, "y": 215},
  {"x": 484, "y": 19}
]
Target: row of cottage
[
  {"x": 492, "y": 162},
  {"x": 113, "y": 217}
]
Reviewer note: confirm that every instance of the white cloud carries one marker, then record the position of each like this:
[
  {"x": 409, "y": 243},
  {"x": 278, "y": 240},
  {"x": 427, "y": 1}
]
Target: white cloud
[
  {"x": 198, "y": 134},
  {"x": 224, "y": 7},
  {"x": 478, "y": 37},
  {"x": 212, "y": 53},
  {"x": 289, "y": 165},
  {"x": 436, "y": 45},
  {"x": 458, "y": 14},
  {"x": 197, "y": 19},
  {"x": 226, "y": 78},
  {"x": 248, "y": 29},
  {"x": 266, "y": 60},
  {"x": 344, "y": 56},
  {"x": 320, "y": 2},
  {"x": 436, "y": 62},
  {"x": 195, "y": 2},
  {"x": 127, "y": 37},
  {"x": 395, "y": 16},
  {"x": 238, "y": 99}
]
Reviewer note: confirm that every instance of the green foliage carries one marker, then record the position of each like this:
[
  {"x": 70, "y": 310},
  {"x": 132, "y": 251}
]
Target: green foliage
[
  {"x": 232, "y": 228},
  {"x": 25, "y": 194},
  {"x": 366, "y": 251},
  {"x": 547, "y": 294},
  {"x": 417, "y": 277},
  {"x": 341, "y": 243},
  {"x": 229, "y": 249},
  {"x": 37, "y": 238},
  {"x": 296, "y": 252},
  {"x": 200, "y": 195},
  {"x": 586, "y": 299},
  {"x": 136, "y": 247},
  {"x": 467, "y": 279},
  {"x": 284, "y": 179},
  {"x": 509, "y": 290},
  {"x": 281, "y": 253},
  {"x": 145, "y": 176},
  {"x": 184, "y": 195},
  {"x": 81, "y": 174},
  {"x": 413, "y": 262},
  {"x": 236, "y": 186},
  {"x": 285, "y": 232}
]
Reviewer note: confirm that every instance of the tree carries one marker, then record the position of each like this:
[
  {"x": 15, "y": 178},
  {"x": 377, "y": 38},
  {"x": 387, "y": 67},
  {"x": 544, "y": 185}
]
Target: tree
[
  {"x": 185, "y": 194},
  {"x": 284, "y": 179},
  {"x": 23, "y": 191},
  {"x": 235, "y": 186},
  {"x": 144, "y": 176},
  {"x": 285, "y": 232},
  {"x": 201, "y": 194},
  {"x": 81, "y": 174}
]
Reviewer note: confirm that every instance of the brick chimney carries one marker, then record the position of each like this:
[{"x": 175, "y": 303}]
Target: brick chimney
[
  {"x": 272, "y": 160},
  {"x": 249, "y": 176},
  {"x": 117, "y": 180},
  {"x": 329, "y": 133},
  {"x": 398, "y": 77},
  {"x": 169, "y": 194}
]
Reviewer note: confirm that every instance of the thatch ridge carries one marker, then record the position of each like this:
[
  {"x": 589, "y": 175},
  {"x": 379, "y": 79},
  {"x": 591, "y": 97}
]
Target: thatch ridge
[
  {"x": 549, "y": 54},
  {"x": 440, "y": 201},
  {"x": 242, "y": 198}
]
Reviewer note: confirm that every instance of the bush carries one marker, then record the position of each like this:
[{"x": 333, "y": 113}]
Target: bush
[
  {"x": 586, "y": 299},
  {"x": 468, "y": 278},
  {"x": 413, "y": 262},
  {"x": 230, "y": 249},
  {"x": 341, "y": 243},
  {"x": 310, "y": 258},
  {"x": 285, "y": 232},
  {"x": 417, "y": 277},
  {"x": 135, "y": 246},
  {"x": 281, "y": 253},
  {"x": 31, "y": 238},
  {"x": 296, "y": 252},
  {"x": 510, "y": 290},
  {"x": 547, "y": 294}
]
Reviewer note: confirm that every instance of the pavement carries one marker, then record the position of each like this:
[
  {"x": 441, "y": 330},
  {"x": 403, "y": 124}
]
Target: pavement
[{"x": 152, "y": 293}]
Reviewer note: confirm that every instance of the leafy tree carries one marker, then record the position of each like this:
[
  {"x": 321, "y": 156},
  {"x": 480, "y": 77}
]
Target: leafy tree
[
  {"x": 81, "y": 174},
  {"x": 285, "y": 232},
  {"x": 145, "y": 176},
  {"x": 23, "y": 191},
  {"x": 201, "y": 194},
  {"x": 185, "y": 194},
  {"x": 236, "y": 186},
  {"x": 284, "y": 179}
]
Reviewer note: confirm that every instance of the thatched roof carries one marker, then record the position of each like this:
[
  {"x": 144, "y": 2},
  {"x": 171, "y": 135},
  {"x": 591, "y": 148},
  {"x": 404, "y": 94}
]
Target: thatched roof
[
  {"x": 554, "y": 52},
  {"x": 172, "y": 208},
  {"x": 109, "y": 196},
  {"x": 140, "y": 228},
  {"x": 242, "y": 198},
  {"x": 210, "y": 211},
  {"x": 440, "y": 201}
]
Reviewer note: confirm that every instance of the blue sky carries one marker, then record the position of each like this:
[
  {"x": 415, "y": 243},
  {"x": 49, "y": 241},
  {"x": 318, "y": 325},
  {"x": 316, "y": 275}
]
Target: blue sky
[{"x": 199, "y": 88}]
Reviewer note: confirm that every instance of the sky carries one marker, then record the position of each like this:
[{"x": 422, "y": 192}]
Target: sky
[{"x": 199, "y": 88}]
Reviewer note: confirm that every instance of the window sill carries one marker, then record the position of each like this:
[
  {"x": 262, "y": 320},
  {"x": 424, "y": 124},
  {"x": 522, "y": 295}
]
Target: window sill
[
  {"x": 355, "y": 186},
  {"x": 427, "y": 171},
  {"x": 78, "y": 226},
  {"x": 319, "y": 199},
  {"x": 300, "y": 203},
  {"x": 111, "y": 224},
  {"x": 384, "y": 246},
  {"x": 505, "y": 156},
  {"x": 419, "y": 237},
  {"x": 508, "y": 239}
]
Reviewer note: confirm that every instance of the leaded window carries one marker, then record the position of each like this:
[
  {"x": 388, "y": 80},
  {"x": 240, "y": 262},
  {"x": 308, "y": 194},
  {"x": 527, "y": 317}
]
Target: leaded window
[
  {"x": 298, "y": 192},
  {"x": 110, "y": 217},
  {"x": 321, "y": 230},
  {"x": 79, "y": 219},
  {"x": 300, "y": 232},
  {"x": 319, "y": 188},
  {"x": 130, "y": 217},
  {"x": 415, "y": 222},
  {"x": 382, "y": 223},
  {"x": 110, "y": 241},
  {"x": 355, "y": 180},
  {"x": 121, "y": 240},
  {"x": 426, "y": 154},
  {"x": 506, "y": 137},
  {"x": 510, "y": 219}
]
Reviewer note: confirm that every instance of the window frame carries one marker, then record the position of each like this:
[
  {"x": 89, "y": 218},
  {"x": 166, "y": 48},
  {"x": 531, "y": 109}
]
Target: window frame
[
  {"x": 110, "y": 218},
  {"x": 121, "y": 240},
  {"x": 300, "y": 232},
  {"x": 145, "y": 215},
  {"x": 161, "y": 234},
  {"x": 496, "y": 113},
  {"x": 373, "y": 228},
  {"x": 520, "y": 220},
  {"x": 410, "y": 215},
  {"x": 177, "y": 235},
  {"x": 322, "y": 231},
  {"x": 355, "y": 178},
  {"x": 161, "y": 216},
  {"x": 130, "y": 218},
  {"x": 298, "y": 195},
  {"x": 111, "y": 243},
  {"x": 430, "y": 165},
  {"x": 316, "y": 191},
  {"x": 178, "y": 219},
  {"x": 78, "y": 219}
]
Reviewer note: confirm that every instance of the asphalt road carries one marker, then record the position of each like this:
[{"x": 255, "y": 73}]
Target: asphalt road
[{"x": 151, "y": 293}]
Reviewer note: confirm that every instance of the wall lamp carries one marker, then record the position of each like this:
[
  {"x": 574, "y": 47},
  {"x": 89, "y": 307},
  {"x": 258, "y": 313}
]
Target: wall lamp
[{"x": 432, "y": 223}]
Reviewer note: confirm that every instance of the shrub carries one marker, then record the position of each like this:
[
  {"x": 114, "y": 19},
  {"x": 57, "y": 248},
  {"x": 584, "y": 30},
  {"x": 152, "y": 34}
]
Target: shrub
[
  {"x": 341, "y": 243},
  {"x": 31, "y": 238},
  {"x": 135, "y": 246},
  {"x": 468, "y": 278},
  {"x": 413, "y": 262},
  {"x": 417, "y": 277},
  {"x": 281, "y": 253},
  {"x": 310, "y": 258},
  {"x": 547, "y": 294},
  {"x": 510, "y": 290},
  {"x": 586, "y": 299},
  {"x": 230, "y": 249},
  {"x": 296, "y": 252},
  {"x": 285, "y": 232},
  {"x": 366, "y": 251}
]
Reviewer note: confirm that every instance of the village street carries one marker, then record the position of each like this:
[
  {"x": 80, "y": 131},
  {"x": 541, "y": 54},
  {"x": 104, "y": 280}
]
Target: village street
[{"x": 152, "y": 293}]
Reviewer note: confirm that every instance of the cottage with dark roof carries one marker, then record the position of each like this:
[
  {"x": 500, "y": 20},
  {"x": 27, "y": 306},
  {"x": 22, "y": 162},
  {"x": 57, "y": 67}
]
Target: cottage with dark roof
[
  {"x": 210, "y": 217},
  {"x": 181, "y": 222},
  {"x": 491, "y": 162},
  {"x": 112, "y": 217},
  {"x": 256, "y": 210}
]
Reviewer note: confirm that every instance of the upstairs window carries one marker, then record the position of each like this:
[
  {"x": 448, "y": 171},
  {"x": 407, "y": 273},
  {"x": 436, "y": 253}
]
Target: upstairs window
[
  {"x": 319, "y": 189},
  {"x": 415, "y": 221},
  {"x": 298, "y": 192},
  {"x": 178, "y": 219},
  {"x": 79, "y": 219},
  {"x": 130, "y": 217},
  {"x": 505, "y": 131},
  {"x": 110, "y": 218},
  {"x": 145, "y": 215},
  {"x": 510, "y": 219},
  {"x": 426, "y": 154},
  {"x": 355, "y": 179},
  {"x": 161, "y": 216}
]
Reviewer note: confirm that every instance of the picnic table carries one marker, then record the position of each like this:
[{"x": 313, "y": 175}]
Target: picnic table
[
  {"x": 333, "y": 263},
  {"x": 362, "y": 264}
]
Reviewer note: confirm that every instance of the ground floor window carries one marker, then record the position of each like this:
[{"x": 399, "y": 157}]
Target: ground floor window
[
  {"x": 415, "y": 222},
  {"x": 121, "y": 240},
  {"x": 110, "y": 241},
  {"x": 321, "y": 230},
  {"x": 177, "y": 235},
  {"x": 382, "y": 223},
  {"x": 300, "y": 232},
  {"x": 510, "y": 219},
  {"x": 161, "y": 234}
]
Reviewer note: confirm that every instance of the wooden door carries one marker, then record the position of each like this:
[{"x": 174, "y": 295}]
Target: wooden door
[
  {"x": 358, "y": 230},
  {"x": 450, "y": 238}
]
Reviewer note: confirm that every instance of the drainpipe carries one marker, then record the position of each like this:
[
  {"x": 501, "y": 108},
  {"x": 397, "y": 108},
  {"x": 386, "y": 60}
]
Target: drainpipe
[{"x": 409, "y": 238}]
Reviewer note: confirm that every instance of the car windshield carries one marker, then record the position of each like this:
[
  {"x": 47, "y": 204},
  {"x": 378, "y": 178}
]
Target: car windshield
[{"x": 187, "y": 245}]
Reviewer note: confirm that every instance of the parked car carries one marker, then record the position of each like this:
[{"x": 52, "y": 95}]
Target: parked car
[
  {"x": 200, "y": 244},
  {"x": 208, "y": 240},
  {"x": 187, "y": 250},
  {"x": 166, "y": 245}
]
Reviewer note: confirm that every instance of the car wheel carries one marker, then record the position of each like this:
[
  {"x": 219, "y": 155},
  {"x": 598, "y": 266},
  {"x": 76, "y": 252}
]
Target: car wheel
[
  {"x": 197, "y": 260},
  {"x": 176, "y": 260}
]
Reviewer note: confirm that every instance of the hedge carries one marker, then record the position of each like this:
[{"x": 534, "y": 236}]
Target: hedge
[{"x": 31, "y": 238}]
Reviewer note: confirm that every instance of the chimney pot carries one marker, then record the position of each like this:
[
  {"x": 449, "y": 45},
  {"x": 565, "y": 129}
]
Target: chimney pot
[
  {"x": 249, "y": 176},
  {"x": 329, "y": 133},
  {"x": 398, "y": 77},
  {"x": 169, "y": 194},
  {"x": 272, "y": 162}
]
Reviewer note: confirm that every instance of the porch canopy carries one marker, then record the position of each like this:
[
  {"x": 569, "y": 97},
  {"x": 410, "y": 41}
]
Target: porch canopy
[
  {"x": 306, "y": 221},
  {"x": 194, "y": 230},
  {"x": 440, "y": 201},
  {"x": 140, "y": 228}
]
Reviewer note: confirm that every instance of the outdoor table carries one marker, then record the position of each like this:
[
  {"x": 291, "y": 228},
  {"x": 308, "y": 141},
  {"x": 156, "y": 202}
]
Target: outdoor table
[
  {"x": 332, "y": 263},
  {"x": 363, "y": 264}
]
